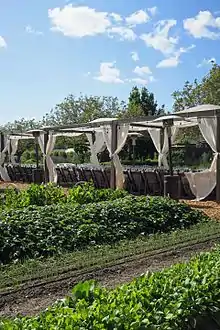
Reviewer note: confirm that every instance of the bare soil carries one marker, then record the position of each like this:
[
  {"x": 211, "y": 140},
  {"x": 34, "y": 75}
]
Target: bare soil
[{"x": 32, "y": 299}]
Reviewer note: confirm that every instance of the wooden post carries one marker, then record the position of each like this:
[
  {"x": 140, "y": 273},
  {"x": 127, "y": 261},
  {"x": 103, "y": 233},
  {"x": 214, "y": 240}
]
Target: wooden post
[
  {"x": 114, "y": 127},
  {"x": 2, "y": 142},
  {"x": 218, "y": 158},
  {"x": 46, "y": 172},
  {"x": 170, "y": 150}
]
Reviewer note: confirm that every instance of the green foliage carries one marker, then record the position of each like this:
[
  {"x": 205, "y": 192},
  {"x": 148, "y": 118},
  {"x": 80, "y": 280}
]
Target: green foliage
[
  {"x": 142, "y": 103},
  {"x": 49, "y": 194},
  {"x": 34, "y": 195},
  {"x": 175, "y": 298},
  {"x": 87, "y": 193},
  {"x": 207, "y": 91},
  {"x": 83, "y": 109},
  {"x": 41, "y": 231}
]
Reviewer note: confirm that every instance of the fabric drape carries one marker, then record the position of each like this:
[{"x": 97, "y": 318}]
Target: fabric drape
[
  {"x": 49, "y": 148},
  {"x": 14, "y": 148},
  {"x": 122, "y": 134},
  {"x": 3, "y": 170},
  {"x": 203, "y": 183},
  {"x": 97, "y": 146},
  {"x": 155, "y": 134}
]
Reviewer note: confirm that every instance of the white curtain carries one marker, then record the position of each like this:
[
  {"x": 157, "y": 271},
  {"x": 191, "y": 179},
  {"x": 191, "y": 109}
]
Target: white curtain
[
  {"x": 203, "y": 183},
  {"x": 49, "y": 148},
  {"x": 122, "y": 134},
  {"x": 162, "y": 150},
  {"x": 14, "y": 148},
  {"x": 96, "y": 147},
  {"x": 3, "y": 170}
]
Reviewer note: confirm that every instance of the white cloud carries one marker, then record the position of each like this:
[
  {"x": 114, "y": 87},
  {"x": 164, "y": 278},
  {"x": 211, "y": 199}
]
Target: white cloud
[
  {"x": 30, "y": 30},
  {"x": 79, "y": 21},
  {"x": 202, "y": 25},
  {"x": 169, "y": 62},
  {"x": 3, "y": 43},
  {"x": 206, "y": 62},
  {"x": 159, "y": 39},
  {"x": 139, "y": 17},
  {"x": 151, "y": 79},
  {"x": 138, "y": 81},
  {"x": 116, "y": 17},
  {"x": 135, "y": 56},
  {"x": 174, "y": 60},
  {"x": 124, "y": 32},
  {"x": 153, "y": 10},
  {"x": 109, "y": 73},
  {"x": 141, "y": 71}
]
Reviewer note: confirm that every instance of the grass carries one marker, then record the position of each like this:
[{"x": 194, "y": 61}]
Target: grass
[{"x": 13, "y": 275}]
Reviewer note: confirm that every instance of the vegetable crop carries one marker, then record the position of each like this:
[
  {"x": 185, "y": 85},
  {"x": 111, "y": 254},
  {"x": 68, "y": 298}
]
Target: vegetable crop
[
  {"x": 42, "y": 231},
  {"x": 184, "y": 296},
  {"x": 49, "y": 194}
]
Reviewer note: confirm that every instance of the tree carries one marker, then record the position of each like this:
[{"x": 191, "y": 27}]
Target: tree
[
  {"x": 83, "y": 109},
  {"x": 148, "y": 104},
  {"x": 142, "y": 103},
  {"x": 205, "y": 92}
]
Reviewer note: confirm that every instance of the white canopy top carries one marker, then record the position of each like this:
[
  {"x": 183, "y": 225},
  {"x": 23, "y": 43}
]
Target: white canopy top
[{"x": 199, "y": 108}]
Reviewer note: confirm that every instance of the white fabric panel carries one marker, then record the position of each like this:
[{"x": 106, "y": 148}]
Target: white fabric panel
[
  {"x": 162, "y": 151},
  {"x": 203, "y": 183},
  {"x": 3, "y": 170},
  {"x": 14, "y": 148},
  {"x": 122, "y": 134},
  {"x": 49, "y": 148},
  {"x": 96, "y": 147},
  {"x": 155, "y": 136}
]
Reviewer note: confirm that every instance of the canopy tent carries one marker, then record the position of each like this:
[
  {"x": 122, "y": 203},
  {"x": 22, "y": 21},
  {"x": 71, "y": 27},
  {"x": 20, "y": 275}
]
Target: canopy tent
[
  {"x": 112, "y": 133},
  {"x": 207, "y": 117},
  {"x": 9, "y": 144}
]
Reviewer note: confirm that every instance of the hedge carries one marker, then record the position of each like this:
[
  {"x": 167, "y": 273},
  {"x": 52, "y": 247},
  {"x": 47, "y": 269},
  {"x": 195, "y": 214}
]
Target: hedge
[
  {"x": 177, "y": 298},
  {"x": 42, "y": 231}
]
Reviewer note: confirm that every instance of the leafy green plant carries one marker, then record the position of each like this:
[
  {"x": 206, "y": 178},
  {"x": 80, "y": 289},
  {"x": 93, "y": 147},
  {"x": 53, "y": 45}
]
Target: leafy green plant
[
  {"x": 34, "y": 195},
  {"x": 180, "y": 297},
  {"x": 87, "y": 193},
  {"x": 42, "y": 231},
  {"x": 51, "y": 194}
]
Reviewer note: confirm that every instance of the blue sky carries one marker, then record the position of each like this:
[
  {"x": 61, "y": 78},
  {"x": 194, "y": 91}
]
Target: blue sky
[{"x": 51, "y": 48}]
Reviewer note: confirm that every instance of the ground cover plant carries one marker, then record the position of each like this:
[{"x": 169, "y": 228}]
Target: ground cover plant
[
  {"x": 176, "y": 298},
  {"x": 49, "y": 194},
  {"x": 42, "y": 231},
  {"x": 13, "y": 275}
]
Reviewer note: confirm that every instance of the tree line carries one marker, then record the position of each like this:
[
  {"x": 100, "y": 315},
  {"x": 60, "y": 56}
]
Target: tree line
[{"x": 141, "y": 102}]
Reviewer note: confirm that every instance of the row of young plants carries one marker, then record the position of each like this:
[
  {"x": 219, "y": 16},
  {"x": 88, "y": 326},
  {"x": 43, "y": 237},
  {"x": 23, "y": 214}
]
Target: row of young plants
[
  {"x": 35, "y": 231},
  {"x": 175, "y": 298},
  {"x": 46, "y": 269},
  {"x": 49, "y": 194}
]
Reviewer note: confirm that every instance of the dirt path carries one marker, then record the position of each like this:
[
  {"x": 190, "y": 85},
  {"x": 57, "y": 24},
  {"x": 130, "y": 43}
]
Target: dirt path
[{"x": 31, "y": 300}]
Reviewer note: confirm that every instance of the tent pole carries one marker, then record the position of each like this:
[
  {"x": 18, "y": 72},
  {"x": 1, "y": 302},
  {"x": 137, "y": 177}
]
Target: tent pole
[
  {"x": 218, "y": 159},
  {"x": 46, "y": 172},
  {"x": 113, "y": 148},
  {"x": 170, "y": 150},
  {"x": 2, "y": 142}
]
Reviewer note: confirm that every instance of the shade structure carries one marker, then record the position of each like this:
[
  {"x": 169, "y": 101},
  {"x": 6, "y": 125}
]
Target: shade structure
[{"x": 199, "y": 110}]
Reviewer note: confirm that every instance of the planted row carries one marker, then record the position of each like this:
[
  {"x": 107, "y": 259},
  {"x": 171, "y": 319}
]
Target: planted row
[
  {"x": 42, "y": 231},
  {"x": 49, "y": 194},
  {"x": 181, "y": 297}
]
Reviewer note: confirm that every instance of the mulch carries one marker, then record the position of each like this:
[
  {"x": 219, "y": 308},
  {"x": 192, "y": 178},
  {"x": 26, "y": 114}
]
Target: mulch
[{"x": 210, "y": 208}]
